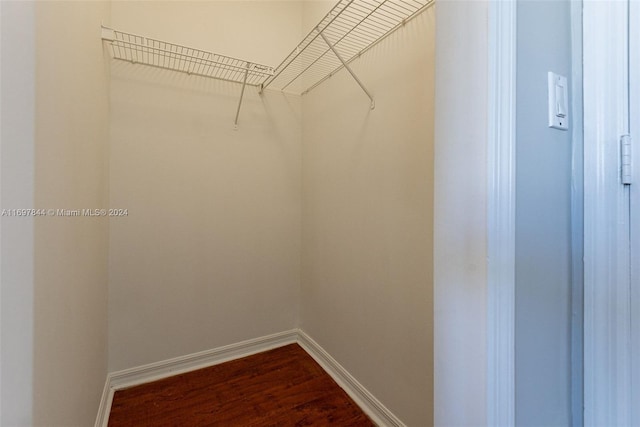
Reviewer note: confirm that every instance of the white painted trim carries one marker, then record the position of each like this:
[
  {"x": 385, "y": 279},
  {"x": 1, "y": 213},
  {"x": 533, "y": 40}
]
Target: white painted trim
[
  {"x": 105, "y": 404},
  {"x": 501, "y": 214},
  {"x": 0, "y": 221},
  {"x": 577, "y": 220},
  {"x": 607, "y": 315},
  {"x": 166, "y": 368},
  {"x": 634, "y": 125},
  {"x": 378, "y": 413}
]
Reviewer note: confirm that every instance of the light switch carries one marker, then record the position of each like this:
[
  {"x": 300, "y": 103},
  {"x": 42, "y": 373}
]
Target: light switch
[{"x": 558, "y": 102}]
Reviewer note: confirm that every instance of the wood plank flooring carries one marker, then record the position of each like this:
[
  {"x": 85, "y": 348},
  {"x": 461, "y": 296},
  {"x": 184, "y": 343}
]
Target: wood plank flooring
[{"x": 280, "y": 387}]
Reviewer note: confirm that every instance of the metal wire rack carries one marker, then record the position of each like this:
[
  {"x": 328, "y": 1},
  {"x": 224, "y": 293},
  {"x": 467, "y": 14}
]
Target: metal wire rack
[
  {"x": 349, "y": 29},
  {"x": 156, "y": 53}
]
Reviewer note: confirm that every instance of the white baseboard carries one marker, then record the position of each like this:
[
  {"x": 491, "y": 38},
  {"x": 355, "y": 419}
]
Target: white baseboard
[
  {"x": 378, "y": 413},
  {"x": 166, "y": 368}
]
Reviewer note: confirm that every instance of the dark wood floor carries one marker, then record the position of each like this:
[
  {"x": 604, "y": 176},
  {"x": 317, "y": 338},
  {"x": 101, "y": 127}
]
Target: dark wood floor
[{"x": 281, "y": 387}]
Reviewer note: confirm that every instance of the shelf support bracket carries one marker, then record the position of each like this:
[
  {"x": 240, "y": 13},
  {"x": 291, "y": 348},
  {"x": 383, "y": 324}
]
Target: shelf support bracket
[
  {"x": 244, "y": 84},
  {"x": 107, "y": 34},
  {"x": 346, "y": 66}
]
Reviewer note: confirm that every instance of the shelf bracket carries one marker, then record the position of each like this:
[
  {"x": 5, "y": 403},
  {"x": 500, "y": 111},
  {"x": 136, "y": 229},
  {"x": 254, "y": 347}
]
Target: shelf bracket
[
  {"x": 244, "y": 84},
  {"x": 346, "y": 66},
  {"x": 107, "y": 33}
]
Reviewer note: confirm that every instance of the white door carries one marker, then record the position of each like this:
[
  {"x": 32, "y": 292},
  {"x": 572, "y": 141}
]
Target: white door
[{"x": 611, "y": 54}]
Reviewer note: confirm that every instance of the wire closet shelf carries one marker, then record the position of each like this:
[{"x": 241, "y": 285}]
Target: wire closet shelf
[
  {"x": 157, "y": 53},
  {"x": 349, "y": 29}
]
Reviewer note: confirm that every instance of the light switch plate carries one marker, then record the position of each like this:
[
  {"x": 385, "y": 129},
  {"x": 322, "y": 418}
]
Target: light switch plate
[{"x": 558, "y": 102}]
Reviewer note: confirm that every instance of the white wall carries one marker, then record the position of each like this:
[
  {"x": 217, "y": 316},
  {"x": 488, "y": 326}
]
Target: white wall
[
  {"x": 210, "y": 252},
  {"x": 367, "y": 219},
  {"x": 17, "y": 135},
  {"x": 543, "y": 221},
  {"x": 54, "y": 136},
  {"x": 70, "y": 254},
  {"x": 212, "y": 239},
  {"x": 460, "y": 224},
  {"x": 262, "y": 31},
  {"x": 543, "y": 218}
]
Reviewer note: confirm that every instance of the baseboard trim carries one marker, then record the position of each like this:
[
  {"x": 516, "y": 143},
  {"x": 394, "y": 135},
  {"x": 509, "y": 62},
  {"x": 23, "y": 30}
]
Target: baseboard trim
[
  {"x": 166, "y": 368},
  {"x": 378, "y": 413},
  {"x": 102, "y": 420}
]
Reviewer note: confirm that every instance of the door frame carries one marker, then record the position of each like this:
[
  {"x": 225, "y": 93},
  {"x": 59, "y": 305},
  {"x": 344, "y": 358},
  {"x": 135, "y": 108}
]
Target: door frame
[
  {"x": 501, "y": 200},
  {"x": 634, "y": 190},
  {"x": 607, "y": 309}
]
